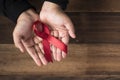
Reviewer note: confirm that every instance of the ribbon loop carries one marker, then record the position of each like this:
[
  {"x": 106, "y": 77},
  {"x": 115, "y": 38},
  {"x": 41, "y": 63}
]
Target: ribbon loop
[
  {"x": 44, "y": 35},
  {"x": 47, "y": 40}
]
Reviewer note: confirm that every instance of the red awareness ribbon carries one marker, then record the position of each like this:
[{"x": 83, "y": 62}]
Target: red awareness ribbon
[{"x": 47, "y": 40}]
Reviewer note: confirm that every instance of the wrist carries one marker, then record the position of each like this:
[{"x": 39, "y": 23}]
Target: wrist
[
  {"x": 29, "y": 14},
  {"x": 61, "y": 3},
  {"x": 49, "y": 6}
]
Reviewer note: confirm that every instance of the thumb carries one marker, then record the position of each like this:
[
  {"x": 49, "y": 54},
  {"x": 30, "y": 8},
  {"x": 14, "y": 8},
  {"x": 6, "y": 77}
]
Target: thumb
[
  {"x": 71, "y": 30},
  {"x": 18, "y": 42}
]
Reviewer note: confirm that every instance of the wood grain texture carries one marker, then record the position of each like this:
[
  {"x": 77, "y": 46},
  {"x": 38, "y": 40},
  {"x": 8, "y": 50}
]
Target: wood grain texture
[
  {"x": 86, "y": 5},
  {"x": 94, "y": 27},
  {"x": 91, "y": 27},
  {"x": 96, "y": 22},
  {"x": 94, "y": 6},
  {"x": 85, "y": 61}
]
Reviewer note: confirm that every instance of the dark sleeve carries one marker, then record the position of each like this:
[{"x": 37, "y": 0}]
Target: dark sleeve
[
  {"x": 13, "y": 8},
  {"x": 61, "y": 3}
]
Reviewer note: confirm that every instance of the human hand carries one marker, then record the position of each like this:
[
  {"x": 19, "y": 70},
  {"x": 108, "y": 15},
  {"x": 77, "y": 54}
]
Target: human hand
[
  {"x": 60, "y": 24},
  {"x": 24, "y": 38}
]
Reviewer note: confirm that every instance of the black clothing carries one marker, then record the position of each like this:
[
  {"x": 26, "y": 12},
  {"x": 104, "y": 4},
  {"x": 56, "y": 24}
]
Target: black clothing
[{"x": 13, "y": 8}]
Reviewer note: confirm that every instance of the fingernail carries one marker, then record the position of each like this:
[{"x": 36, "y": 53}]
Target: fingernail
[
  {"x": 59, "y": 59},
  {"x": 45, "y": 63},
  {"x": 64, "y": 56},
  {"x": 39, "y": 63},
  {"x": 21, "y": 50},
  {"x": 73, "y": 36}
]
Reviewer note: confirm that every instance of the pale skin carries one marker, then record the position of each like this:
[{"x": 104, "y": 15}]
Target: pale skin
[{"x": 61, "y": 27}]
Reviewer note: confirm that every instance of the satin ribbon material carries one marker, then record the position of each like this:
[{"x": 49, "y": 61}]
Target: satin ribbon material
[{"x": 47, "y": 40}]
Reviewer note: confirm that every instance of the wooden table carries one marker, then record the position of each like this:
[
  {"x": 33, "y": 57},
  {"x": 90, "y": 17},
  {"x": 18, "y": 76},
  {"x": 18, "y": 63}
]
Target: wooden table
[
  {"x": 93, "y": 55},
  {"x": 84, "y": 62}
]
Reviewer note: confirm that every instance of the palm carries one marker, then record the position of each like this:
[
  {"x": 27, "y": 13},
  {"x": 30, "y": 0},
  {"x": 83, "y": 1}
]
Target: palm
[
  {"x": 59, "y": 24},
  {"x": 25, "y": 40}
]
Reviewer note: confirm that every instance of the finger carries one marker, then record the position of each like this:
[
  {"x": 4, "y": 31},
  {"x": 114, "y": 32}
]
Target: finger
[
  {"x": 64, "y": 55},
  {"x": 52, "y": 47},
  {"x": 59, "y": 54},
  {"x": 43, "y": 59},
  {"x": 55, "y": 34},
  {"x": 18, "y": 43},
  {"x": 54, "y": 52},
  {"x": 29, "y": 45},
  {"x": 70, "y": 28},
  {"x": 41, "y": 56},
  {"x": 41, "y": 47},
  {"x": 38, "y": 41},
  {"x": 65, "y": 40}
]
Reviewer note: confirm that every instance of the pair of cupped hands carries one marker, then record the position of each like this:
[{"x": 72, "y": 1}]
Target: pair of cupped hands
[{"x": 59, "y": 23}]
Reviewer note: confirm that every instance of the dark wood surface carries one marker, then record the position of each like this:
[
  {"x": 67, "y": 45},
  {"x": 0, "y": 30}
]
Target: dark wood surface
[
  {"x": 94, "y": 6},
  {"x": 84, "y": 62},
  {"x": 87, "y": 5},
  {"x": 96, "y": 27},
  {"x": 91, "y": 27},
  {"x": 93, "y": 55}
]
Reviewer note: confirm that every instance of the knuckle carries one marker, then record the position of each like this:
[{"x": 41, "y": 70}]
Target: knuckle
[{"x": 59, "y": 59}]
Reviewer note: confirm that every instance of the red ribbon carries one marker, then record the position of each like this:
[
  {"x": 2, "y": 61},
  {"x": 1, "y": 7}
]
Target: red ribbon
[{"x": 47, "y": 40}]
